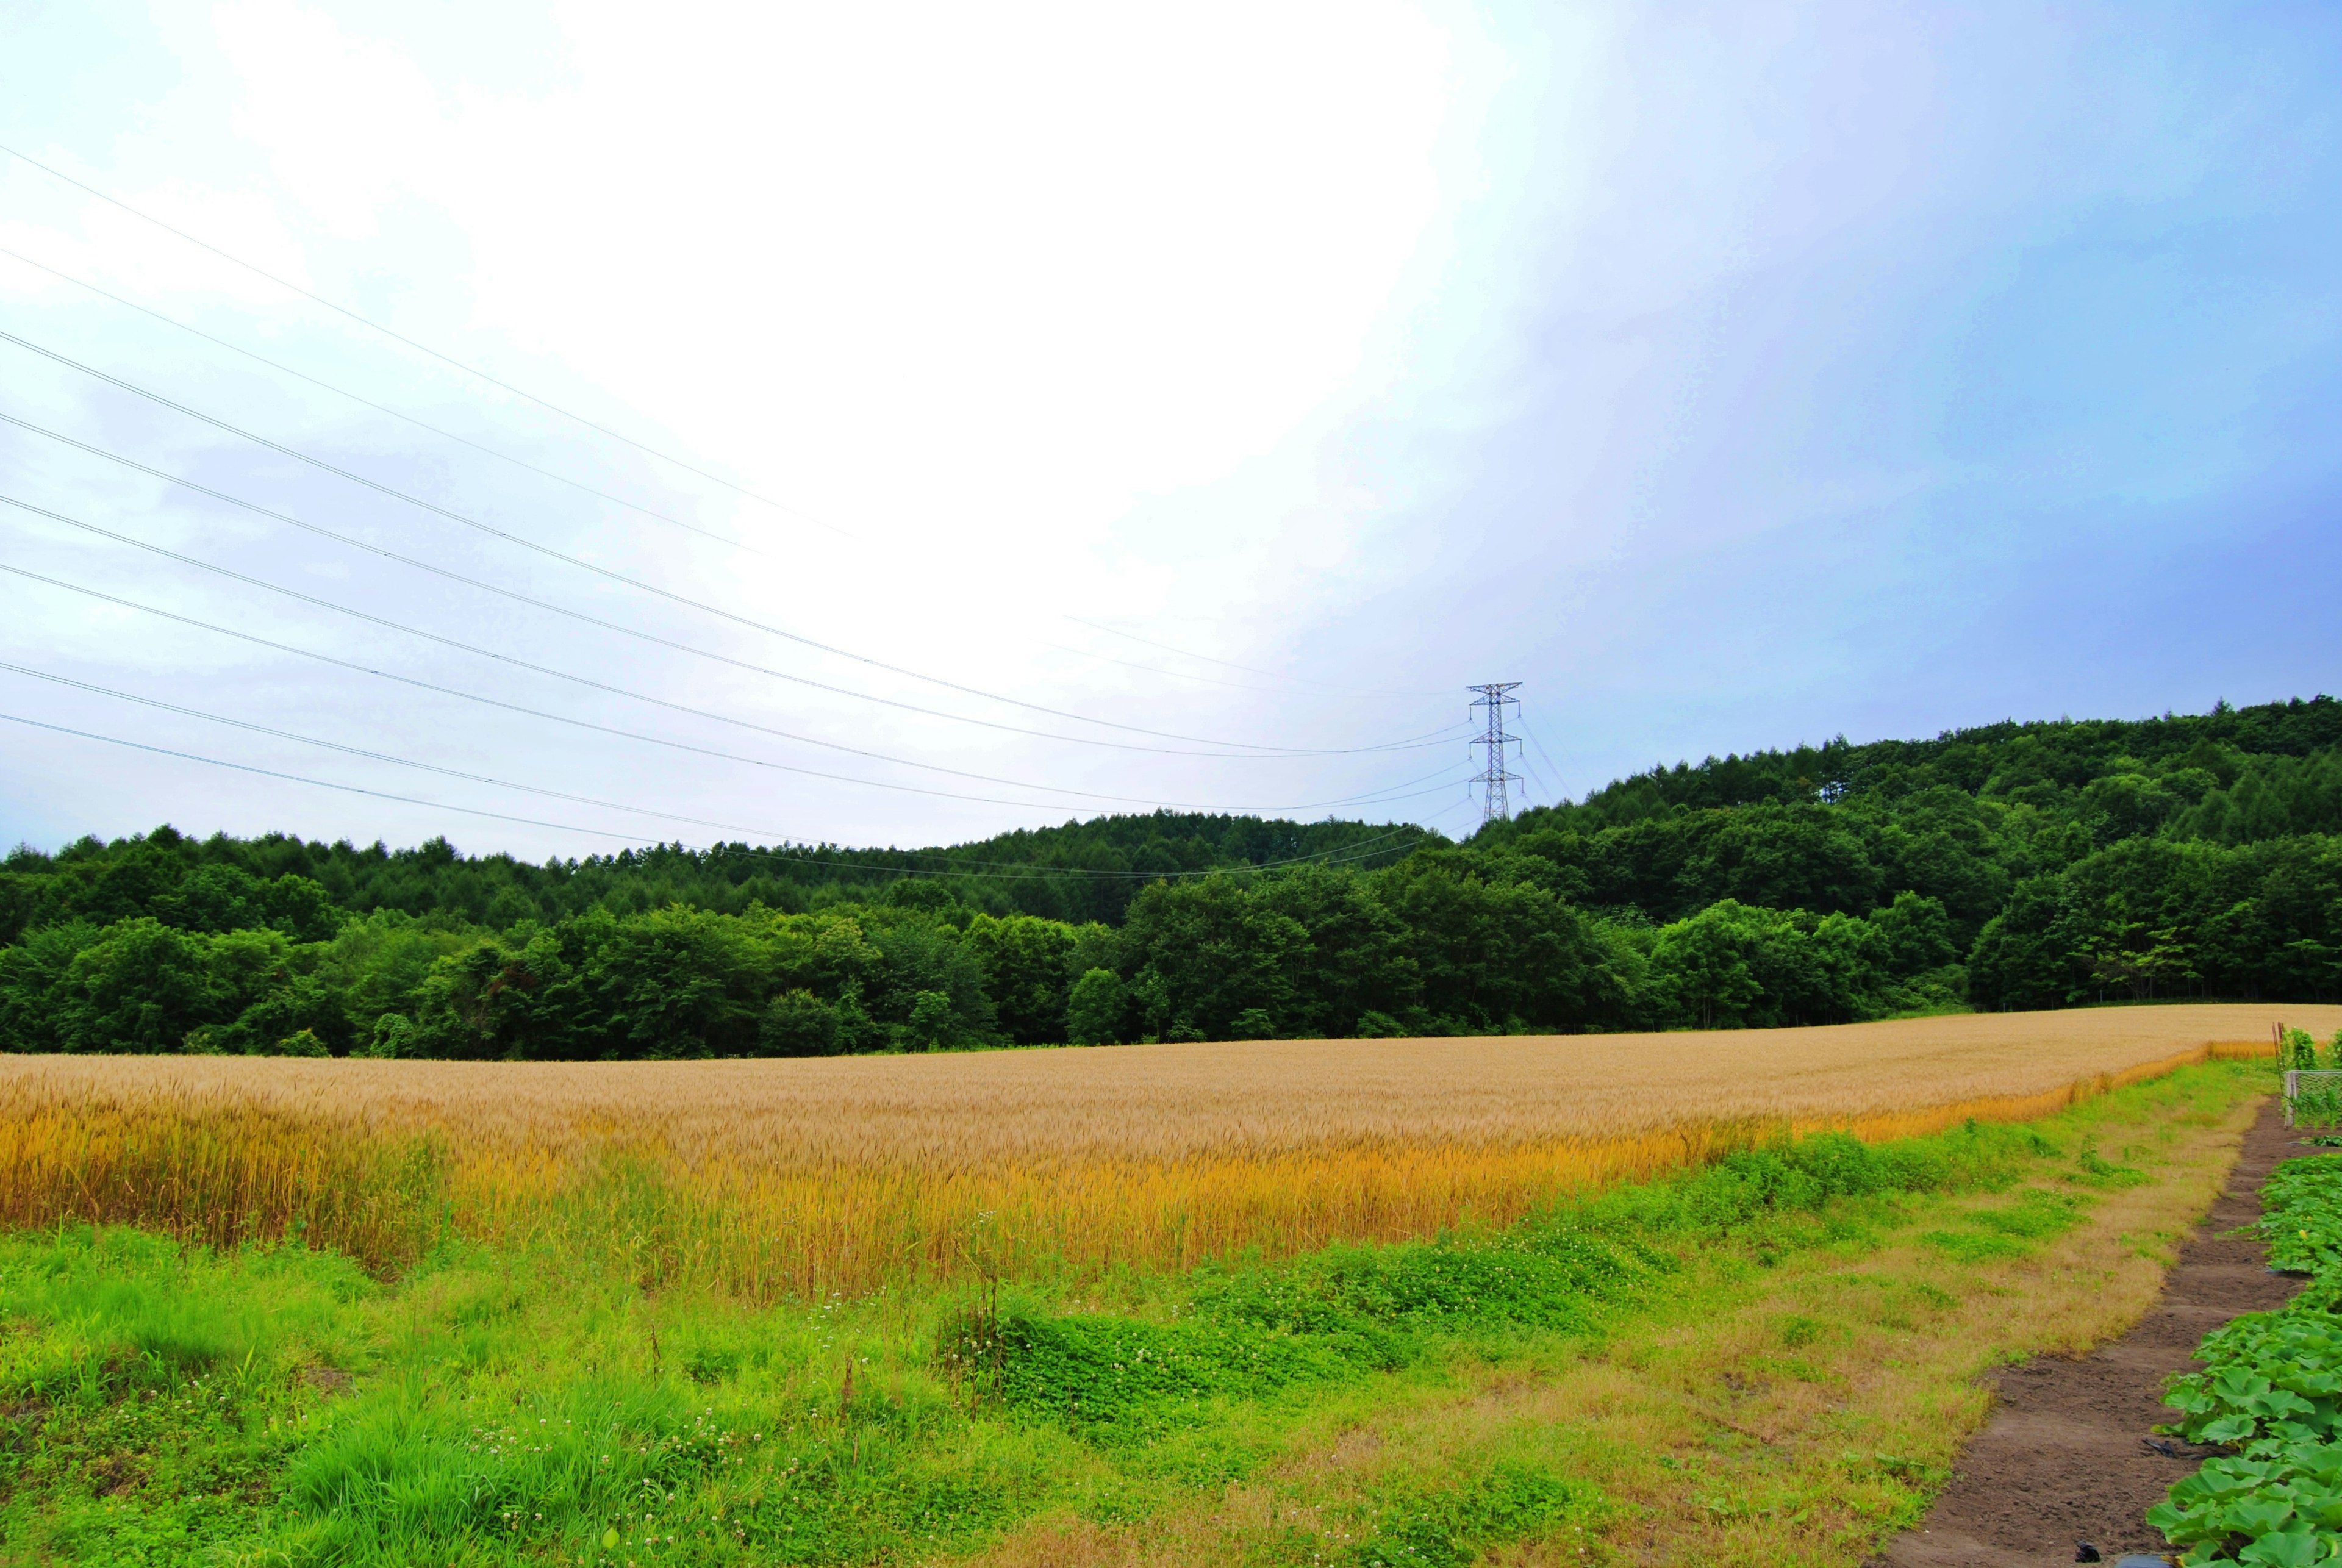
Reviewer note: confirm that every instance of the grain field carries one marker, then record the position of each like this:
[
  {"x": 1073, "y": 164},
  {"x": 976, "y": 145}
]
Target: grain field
[{"x": 805, "y": 1177}]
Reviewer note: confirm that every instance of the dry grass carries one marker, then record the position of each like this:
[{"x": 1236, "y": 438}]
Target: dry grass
[{"x": 805, "y": 1177}]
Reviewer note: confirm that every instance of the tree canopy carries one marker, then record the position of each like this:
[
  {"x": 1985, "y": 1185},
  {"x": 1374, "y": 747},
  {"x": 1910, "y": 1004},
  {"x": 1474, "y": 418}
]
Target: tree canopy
[{"x": 2015, "y": 865}]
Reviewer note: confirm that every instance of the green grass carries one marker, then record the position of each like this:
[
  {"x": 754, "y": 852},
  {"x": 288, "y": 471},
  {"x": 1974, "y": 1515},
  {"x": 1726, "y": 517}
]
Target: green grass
[{"x": 170, "y": 1405}]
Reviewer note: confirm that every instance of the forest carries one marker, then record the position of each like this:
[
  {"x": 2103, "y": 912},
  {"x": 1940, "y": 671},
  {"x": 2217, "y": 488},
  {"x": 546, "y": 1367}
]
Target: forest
[{"x": 2014, "y": 865}]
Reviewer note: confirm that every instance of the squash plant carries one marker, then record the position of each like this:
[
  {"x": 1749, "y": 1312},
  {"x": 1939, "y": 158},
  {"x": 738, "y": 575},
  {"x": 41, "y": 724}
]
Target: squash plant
[{"x": 2270, "y": 1395}]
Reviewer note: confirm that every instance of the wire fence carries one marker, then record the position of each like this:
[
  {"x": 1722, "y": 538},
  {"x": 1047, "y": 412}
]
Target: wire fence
[{"x": 2313, "y": 1098}]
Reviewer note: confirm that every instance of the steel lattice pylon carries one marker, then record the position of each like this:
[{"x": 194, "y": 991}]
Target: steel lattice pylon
[{"x": 1496, "y": 780}]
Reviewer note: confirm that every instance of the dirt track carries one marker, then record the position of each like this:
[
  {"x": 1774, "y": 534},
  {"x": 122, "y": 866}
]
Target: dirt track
[{"x": 2065, "y": 1458}]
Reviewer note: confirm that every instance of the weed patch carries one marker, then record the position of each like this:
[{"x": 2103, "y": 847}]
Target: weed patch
[{"x": 1448, "y": 1527}]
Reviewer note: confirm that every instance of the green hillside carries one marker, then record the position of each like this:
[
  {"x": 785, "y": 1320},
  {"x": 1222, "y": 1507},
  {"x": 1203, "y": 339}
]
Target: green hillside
[{"x": 2014, "y": 865}]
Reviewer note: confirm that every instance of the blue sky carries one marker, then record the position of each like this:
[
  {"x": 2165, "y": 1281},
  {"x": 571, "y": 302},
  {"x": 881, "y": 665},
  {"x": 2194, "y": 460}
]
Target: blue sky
[{"x": 1258, "y": 375}]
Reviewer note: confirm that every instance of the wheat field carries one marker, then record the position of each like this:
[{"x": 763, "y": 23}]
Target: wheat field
[{"x": 773, "y": 1178}]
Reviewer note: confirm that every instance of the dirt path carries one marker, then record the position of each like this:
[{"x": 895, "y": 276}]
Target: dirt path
[{"x": 2064, "y": 1459}]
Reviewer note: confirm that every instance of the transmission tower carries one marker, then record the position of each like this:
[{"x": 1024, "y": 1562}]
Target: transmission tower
[{"x": 1496, "y": 781}]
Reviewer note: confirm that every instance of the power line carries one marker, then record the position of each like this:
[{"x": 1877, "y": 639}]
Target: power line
[
  {"x": 383, "y": 408},
  {"x": 579, "y": 615},
  {"x": 1229, "y": 664},
  {"x": 1540, "y": 784},
  {"x": 580, "y": 485},
  {"x": 395, "y": 761},
  {"x": 1560, "y": 796},
  {"x": 516, "y": 662},
  {"x": 1158, "y": 669},
  {"x": 1378, "y": 796},
  {"x": 515, "y": 391},
  {"x": 392, "y": 758},
  {"x": 622, "y": 579},
  {"x": 1463, "y": 801},
  {"x": 1347, "y": 852},
  {"x": 321, "y": 783},
  {"x": 1534, "y": 785},
  {"x": 1346, "y": 856},
  {"x": 502, "y": 386},
  {"x": 610, "y": 572},
  {"x": 418, "y": 347}
]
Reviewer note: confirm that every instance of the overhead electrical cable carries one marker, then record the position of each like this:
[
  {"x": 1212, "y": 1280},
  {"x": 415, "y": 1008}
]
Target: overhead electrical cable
[
  {"x": 323, "y": 783},
  {"x": 1347, "y": 856},
  {"x": 626, "y": 579},
  {"x": 419, "y": 347},
  {"x": 479, "y": 375},
  {"x": 582, "y": 616},
  {"x": 383, "y": 408},
  {"x": 1159, "y": 670},
  {"x": 392, "y": 758},
  {"x": 1559, "y": 794},
  {"x": 1349, "y": 851},
  {"x": 1231, "y": 664},
  {"x": 578, "y": 485},
  {"x": 1534, "y": 784},
  {"x": 1378, "y": 796},
  {"x": 1176, "y": 675},
  {"x": 260, "y": 729},
  {"x": 511, "y": 660}
]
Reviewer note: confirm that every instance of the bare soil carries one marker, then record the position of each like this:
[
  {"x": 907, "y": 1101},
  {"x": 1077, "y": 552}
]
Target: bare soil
[{"x": 2071, "y": 1454}]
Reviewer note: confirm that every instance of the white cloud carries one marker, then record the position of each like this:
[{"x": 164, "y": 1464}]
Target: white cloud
[
  {"x": 1387, "y": 343},
  {"x": 1047, "y": 309}
]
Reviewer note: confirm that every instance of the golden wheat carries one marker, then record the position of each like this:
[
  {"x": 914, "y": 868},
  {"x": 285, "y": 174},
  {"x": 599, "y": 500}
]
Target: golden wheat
[{"x": 810, "y": 1176}]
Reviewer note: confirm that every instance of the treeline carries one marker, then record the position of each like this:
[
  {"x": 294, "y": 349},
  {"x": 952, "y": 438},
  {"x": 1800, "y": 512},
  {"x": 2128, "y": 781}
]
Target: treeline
[
  {"x": 2033, "y": 865},
  {"x": 1445, "y": 943},
  {"x": 1080, "y": 872}
]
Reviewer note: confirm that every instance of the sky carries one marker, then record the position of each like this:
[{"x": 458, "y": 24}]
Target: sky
[{"x": 566, "y": 428}]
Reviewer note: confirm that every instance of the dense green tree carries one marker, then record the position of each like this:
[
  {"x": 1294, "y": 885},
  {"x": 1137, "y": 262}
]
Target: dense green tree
[
  {"x": 2013, "y": 864},
  {"x": 925, "y": 959},
  {"x": 1098, "y": 1009},
  {"x": 799, "y": 1023},
  {"x": 1356, "y": 958},
  {"x": 1208, "y": 952},
  {"x": 1494, "y": 953},
  {"x": 291, "y": 1016},
  {"x": 2016, "y": 964},
  {"x": 140, "y": 986},
  {"x": 375, "y": 963},
  {"x": 1737, "y": 966},
  {"x": 1027, "y": 964},
  {"x": 1917, "y": 934},
  {"x": 1704, "y": 970},
  {"x": 32, "y": 973}
]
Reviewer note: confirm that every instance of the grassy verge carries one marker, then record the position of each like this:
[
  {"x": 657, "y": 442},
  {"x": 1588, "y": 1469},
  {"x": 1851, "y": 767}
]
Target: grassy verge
[{"x": 1769, "y": 1357}]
